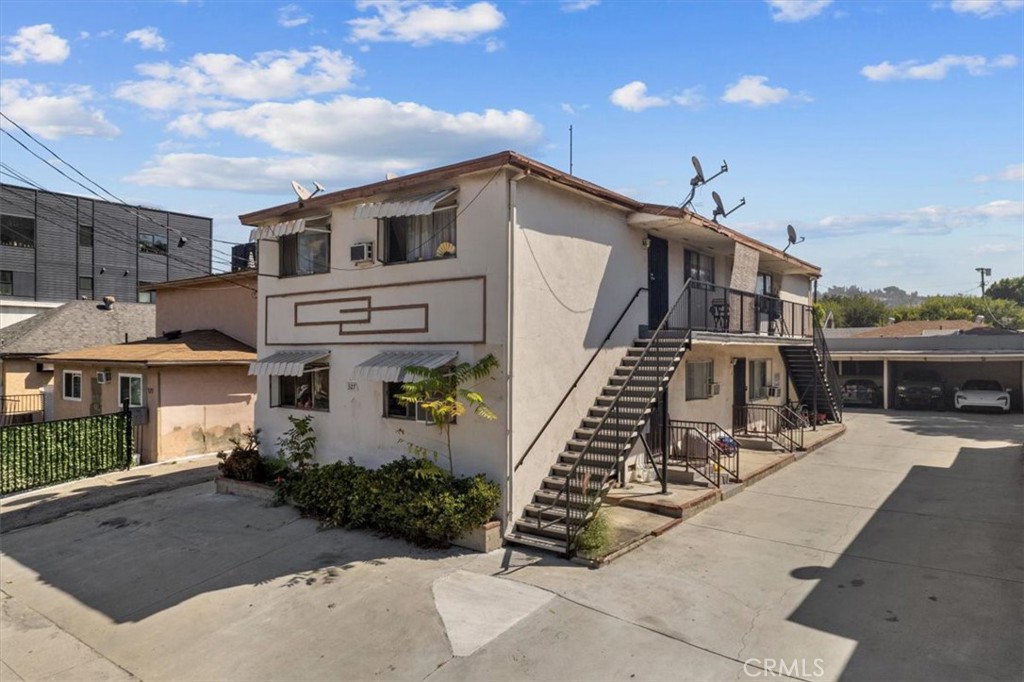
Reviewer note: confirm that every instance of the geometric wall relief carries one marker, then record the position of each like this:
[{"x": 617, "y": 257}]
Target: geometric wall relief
[{"x": 422, "y": 312}]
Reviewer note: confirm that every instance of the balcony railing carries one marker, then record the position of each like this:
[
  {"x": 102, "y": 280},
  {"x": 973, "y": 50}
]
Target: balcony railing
[
  {"x": 21, "y": 408},
  {"x": 712, "y": 308}
]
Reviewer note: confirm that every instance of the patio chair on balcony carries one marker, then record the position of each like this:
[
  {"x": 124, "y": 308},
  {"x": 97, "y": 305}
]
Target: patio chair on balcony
[{"x": 720, "y": 313}]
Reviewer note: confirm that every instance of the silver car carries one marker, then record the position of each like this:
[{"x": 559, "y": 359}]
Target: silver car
[{"x": 982, "y": 393}]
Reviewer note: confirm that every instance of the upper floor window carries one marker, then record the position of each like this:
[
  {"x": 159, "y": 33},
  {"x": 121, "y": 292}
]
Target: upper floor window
[
  {"x": 85, "y": 286},
  {"x": 765, "y": 284},
  {"x": 85, "y": 236},
  {"x": 407, "y": 239},
  {"x": 699, "y": 266},
  {"x": 305, "y": 253},
  {"x": 17, "y": 231},
  {"x": 6, "y": 283},
  {"x": 153, "y": 243}
]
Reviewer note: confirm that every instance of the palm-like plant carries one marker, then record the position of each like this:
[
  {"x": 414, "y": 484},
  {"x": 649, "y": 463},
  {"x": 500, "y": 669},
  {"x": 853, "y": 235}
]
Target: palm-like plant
[{"x": 442, "y": 393}]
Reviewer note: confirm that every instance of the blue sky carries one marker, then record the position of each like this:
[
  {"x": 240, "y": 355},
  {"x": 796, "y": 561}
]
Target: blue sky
[{"x": 890, "y": 134}]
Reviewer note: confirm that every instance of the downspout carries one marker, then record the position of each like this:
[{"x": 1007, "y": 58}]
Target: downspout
[{"x": 513, "y": 223}]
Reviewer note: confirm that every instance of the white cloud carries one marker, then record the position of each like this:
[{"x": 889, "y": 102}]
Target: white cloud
[
  {"x": 633, "y": 97},
  {"x": 985, "y": 8},
  {"x": 54, "y": 116},
  {"x": 36, "y": 44},
  {"x": 493, "y": 45},
  {"x": 797, "y": 10},
  {"x": 370, "y": 128},
  {"x": 974, "y": 65},
  {"x": 1012, "y": 173},
  {"x": 148, "y": 38},
  {"x": 755, "y": 91},
  {"x": 1004, "y": 247},
  {"x": 928, "y": 220},
  {"x": 578, "y": 5},
  {"x": 690, "y": 98},
  {"x": 567, "y": 108},
  {"x": 422, "y": 23},
  {"x": 213, "y": 80},
  {"x": 291, "y": 16}
]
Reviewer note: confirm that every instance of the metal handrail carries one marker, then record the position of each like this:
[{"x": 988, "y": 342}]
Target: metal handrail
[
  {"x": 579, "y": 376},
  {"x": 780, "y": 425},
  {"x": 719, "y": 309},
  {"x": 655, "y": 337},
  {"x": 704, "y": 430},
  {"x": 831, "y": 377}
]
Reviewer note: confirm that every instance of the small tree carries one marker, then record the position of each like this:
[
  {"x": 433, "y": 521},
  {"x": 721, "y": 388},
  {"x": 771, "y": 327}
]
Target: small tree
[{"x": 441, "y": 393}]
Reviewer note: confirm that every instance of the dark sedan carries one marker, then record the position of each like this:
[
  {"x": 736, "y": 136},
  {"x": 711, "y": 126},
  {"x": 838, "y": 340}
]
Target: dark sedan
[{"x": 862, "y": 392}]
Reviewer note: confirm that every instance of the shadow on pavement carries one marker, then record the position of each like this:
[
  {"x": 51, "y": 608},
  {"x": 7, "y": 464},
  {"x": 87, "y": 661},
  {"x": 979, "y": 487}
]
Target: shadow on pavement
[
  {"x": 941, "y": 596},
  {"x": 973, "y": 425}
]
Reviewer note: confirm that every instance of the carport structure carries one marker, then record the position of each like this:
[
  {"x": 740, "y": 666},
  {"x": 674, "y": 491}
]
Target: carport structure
[{"x": 957, "y": 357}]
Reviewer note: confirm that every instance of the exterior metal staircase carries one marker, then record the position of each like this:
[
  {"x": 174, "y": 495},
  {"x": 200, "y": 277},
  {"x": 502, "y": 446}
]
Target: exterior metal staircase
[
  {"x": 584, "y": 472},
  {"x": 814, "y": 376}
]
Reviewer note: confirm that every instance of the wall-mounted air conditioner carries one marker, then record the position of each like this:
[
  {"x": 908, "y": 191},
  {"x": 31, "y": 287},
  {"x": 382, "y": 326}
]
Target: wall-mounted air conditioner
[
  {"x": 103, "y": 376},
  {"x": 774, "y": 392},
  {"x": 714, "y": 389},
  {"x": 362, "y": 252}
]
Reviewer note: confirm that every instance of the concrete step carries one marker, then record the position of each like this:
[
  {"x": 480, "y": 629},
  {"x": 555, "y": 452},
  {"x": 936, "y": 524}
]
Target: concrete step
[{"x": 536, "y": 541}]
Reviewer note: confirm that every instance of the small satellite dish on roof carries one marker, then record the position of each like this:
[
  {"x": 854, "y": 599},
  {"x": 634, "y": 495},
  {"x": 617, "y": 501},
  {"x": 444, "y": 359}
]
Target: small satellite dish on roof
[
  {"x": 390, "y": 175},
  {"x": 698, "y": 179},
  {"x": 791, "y": 233},
  {"x": 720, "y": 208},
  {"x": 303, "y": 193}
]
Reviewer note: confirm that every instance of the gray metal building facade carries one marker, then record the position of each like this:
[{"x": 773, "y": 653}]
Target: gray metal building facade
[{"x": 84, "y": 247}]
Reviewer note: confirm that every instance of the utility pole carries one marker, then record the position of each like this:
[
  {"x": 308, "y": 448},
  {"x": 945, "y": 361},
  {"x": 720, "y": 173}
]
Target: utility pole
[{"x": 984, "y": 272}]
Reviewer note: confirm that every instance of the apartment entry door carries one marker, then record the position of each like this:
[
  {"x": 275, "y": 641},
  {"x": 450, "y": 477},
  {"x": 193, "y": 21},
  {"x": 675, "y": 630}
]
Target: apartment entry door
[
  {"x": 739, "y": 390},
  {"x": 657, "y": 281}
]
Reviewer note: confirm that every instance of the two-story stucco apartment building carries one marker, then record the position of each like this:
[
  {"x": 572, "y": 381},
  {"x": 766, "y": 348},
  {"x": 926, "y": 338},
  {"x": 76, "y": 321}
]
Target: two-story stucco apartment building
[{"x": 592, "y": 302}]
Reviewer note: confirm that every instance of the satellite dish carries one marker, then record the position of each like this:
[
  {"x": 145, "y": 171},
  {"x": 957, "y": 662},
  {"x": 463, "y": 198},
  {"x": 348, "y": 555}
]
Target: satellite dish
[
  {"x": 719, "y": 208},
  {"x": 301, "y": 191},
  {"x": 698, "y": 179},
  {"x": 390, "y": 175},
  {"x": 791, "y": 234},
  {"x": 319, "y": 187}
]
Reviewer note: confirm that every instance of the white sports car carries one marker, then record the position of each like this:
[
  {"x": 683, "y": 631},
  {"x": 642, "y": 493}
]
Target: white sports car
[{"x": 982, "y": 393}]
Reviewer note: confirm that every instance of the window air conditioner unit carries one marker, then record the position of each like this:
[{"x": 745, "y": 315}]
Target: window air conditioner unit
[
  {"x": 774, "y": 392},
  {"x": 714, "y": 389},
  {"x": 362, "y": 252},
  {"x": 103, "y": 376}
]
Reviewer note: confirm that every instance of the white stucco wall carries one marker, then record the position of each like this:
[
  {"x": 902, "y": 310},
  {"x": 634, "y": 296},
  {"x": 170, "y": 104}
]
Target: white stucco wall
[
  {"x": 577, "y": 265},
  {"x": 355, "y": 426}
]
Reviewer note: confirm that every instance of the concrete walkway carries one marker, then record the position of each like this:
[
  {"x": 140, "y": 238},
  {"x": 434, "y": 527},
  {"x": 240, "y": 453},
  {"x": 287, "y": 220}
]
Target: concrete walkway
[{"x": 894, "y": 553}]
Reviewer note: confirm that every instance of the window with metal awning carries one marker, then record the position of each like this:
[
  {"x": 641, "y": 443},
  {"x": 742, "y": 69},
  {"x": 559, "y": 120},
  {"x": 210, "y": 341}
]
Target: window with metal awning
[
  {"x": 422, "y": 204},
  {"x": 391, "y": 365},
  {"x": 415, "y": 228},
  {"x": 317, "y": 223},
  {"x": 290, "y": 363}
]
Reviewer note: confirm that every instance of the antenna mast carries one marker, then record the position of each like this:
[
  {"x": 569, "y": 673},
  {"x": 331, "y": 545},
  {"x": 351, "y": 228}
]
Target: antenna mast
[
  {"x": 570, "y": 149},
  {"x": 983, "y": 272}
]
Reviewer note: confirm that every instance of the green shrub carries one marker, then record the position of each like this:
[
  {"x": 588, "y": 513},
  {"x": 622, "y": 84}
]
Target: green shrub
[
  {"x": 243, "y": 462},
  {"x": 409, "y": 498},
  {"x": 593, "y": 540},
  {"x": 297, "y": 445}
]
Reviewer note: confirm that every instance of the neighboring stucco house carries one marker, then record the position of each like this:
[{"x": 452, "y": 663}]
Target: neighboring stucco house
[
  {"x": 551, "y": 274},
  {"x": 76, "y": 324},
  {"x": 189, "y": 387}
]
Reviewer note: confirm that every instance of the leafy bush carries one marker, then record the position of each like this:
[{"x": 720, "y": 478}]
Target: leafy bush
[
  {"x": 244, "y": 462},
  {"x": 593, "y": 540},
  {"x": 298, "y": 444},
  {"x": 409, "y": 498}
]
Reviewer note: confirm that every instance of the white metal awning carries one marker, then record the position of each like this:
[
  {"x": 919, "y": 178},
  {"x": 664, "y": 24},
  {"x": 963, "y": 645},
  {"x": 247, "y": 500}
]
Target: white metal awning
[
  {"x": 390, "y": 365},
  {"x": 284, "y": 228},
  {"x": 419, "y": 205},
  {"x": 286, "y": 363}
]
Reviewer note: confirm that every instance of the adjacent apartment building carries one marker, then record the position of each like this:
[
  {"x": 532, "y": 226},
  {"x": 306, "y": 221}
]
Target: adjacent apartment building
[
  {"x": 56, "y": 248},
  {"x": 606, "y": 315}
]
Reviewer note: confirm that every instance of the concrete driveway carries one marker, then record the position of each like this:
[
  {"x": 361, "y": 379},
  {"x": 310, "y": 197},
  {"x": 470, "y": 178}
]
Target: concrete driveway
[{"x": 894, "y": 553}]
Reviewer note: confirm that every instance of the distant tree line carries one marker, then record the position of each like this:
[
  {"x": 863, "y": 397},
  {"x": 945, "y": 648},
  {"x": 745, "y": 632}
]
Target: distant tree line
[{"x": 1001, "y": 306}]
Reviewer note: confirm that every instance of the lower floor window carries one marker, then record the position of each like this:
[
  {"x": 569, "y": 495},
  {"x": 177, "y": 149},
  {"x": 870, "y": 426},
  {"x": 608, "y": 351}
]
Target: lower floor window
[
  {"x": 397, "y": 409},
  {"x": 759, "y": 379},
  {"x": 72, "y": 385},
  {"x": 130, "y": 386},
  {"x": 309, "y": 391},
  {"x": 700, "y": 379}
]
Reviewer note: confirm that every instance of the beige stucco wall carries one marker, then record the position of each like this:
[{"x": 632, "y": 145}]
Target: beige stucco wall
[
  {"x": 224, "y": 306},
  {"x": 202, "y": 408},
  {"x": 355, "y": 426},
  {"x": 20, "y": 377}
]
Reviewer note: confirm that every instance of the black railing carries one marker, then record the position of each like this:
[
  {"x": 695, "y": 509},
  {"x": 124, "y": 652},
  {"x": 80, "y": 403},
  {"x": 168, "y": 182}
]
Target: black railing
[
  {"x": 36, "y": 455},
  {"x": 706, "y": 449},
  {"x": 21, "y": 408},
  {"x": 831, "y": 376},
  {"x": 712, "y": 308},
  {"x": 776, "y": 423},
  {"x": 579, "y": 376},
  {"x": 617, "y": 431}
]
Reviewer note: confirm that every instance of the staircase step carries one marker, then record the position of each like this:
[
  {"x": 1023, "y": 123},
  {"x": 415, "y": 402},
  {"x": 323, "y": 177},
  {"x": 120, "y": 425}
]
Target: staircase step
[
  {"x": 596, "y": 469},
  {"x": 600, "y": 446},
  {"x": 549, "y": 513},
  {"x": 552, "y": 497},
  {"x": 557, "y": 483},
  {"x": 610, "y": 429},
  {"x": 536, "y": 541},
  {"x": 594, "y": 459},
  {"x": 554, "y": 530}
]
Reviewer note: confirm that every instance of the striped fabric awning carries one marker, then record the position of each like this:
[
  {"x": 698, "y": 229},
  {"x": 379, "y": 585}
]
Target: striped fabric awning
[
  {"x": 284, "y": 228},
  {"x": 286, "y": 363},
  {"x": 419, "y": 205},
  {"x": 390, "y": 365}
]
